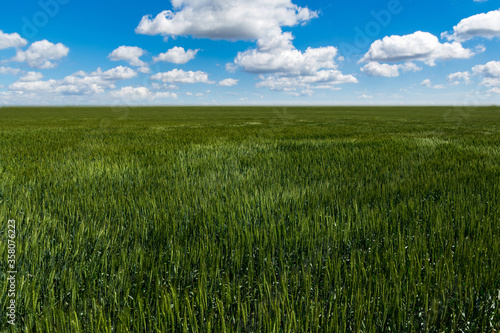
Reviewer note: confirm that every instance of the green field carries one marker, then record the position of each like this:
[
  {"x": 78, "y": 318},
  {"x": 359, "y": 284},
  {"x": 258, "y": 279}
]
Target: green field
[{"x": 252, "y": 219}]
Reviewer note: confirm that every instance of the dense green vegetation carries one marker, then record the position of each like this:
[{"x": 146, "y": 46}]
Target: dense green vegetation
[{"x": 252, "y": 219}]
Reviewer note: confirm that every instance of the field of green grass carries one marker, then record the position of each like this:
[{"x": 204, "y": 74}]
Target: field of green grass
[{"x": 252, "y": 219}]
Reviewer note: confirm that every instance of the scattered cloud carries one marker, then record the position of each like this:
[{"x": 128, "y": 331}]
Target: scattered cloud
[
  {"x": 427, "y": 83},
  {"x": 31, "y": 76},
  {"x": 115, "y": 74},
  {"x": 491, "y": 69},
  {"x": 259, "y": 20},
  {"x": 138, "y": 93},
  {"x": 180, "y": 76},
  {"x": 491, "y": 75},
  {"x": 231, "y": 67},
  {"x": 11, "y": 40},
  {"x": 386, "y": 70},
  {"x": 455, "y": 79},
  {"x": 9, "y": 70},
  {"x": 419, "y": 46},
  {"x": 131, "y": 55},
  {"x": 325, "y": 79},
  {"x": 79, "y": 83},
  {"x": 222, "y": 19},
  {"x": 486, "y": 25},
  {"x": 276, "y": 54},
  {"x": 42, "y": 54},
  {"x": 228, "y": 82},
  {"x": 284, "y": 68},
  {"x": 176, "y": 55}
]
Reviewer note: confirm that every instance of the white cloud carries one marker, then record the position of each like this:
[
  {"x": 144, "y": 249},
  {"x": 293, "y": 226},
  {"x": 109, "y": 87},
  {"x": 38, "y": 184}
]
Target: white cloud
[
  {"x": 222, "y": 19},
  {"x": 490, "y": 73},
  {"x": 377, "y": 69},
  {"x": 491, "y": 69},
  {"x": 494, "y": 90},
  {"x": 421, "y": 46},
  {"x": 33, "y": 86},
  {"x": 259, "y": 20},
  {"x": 31, "y": 76},
  {"x": 276, "y": 54},
  {"x": 491, "y": 82},
  {"x": 138, "y": 93},
  {"x": 114, "y": 74},
  {"x": 79, "y": 83},
  {"x": 41, "y": 54},
  {"x": 180, "y": 76},
  {"x": 485, "y": 25},
  {"x": 176, "y": 55},
  {"x": 427, "y": 83},
  {"x": 131, "y": 55},
  {"x": 365, "y": 96},
  {"x": 9, "y": 70},
  {"x": 455, "y": 79},
  {"x": 231, "y": 67},
  {"x": 228, "y": 82},
  {"x": 325, "y": 79},
  {"x": 290, "y": 69},
  {"x": 386, "y": 70},
  {"x": 11, "y": 40}
]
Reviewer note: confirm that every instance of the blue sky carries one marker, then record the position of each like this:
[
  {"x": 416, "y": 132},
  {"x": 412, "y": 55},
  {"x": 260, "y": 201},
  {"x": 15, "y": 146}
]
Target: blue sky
[{"x": 219, "y": 52}]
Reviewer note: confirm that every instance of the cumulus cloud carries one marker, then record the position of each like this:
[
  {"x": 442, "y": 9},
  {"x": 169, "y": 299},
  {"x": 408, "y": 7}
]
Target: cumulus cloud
[
  {"x": 31, "y": 76},
  {"x": 228, "y": 82},
  {"x": 325, "y": 79},
  {"x": 491, "y": 69},
  {"x": 115, "y": 74},
  {"x": 276, "y": 54},
  {"x": 176, "y": 55},
  {"x": 41, "y": 54},
  {"x": 283, "y": 67},
  {"x": 491, "y": 75},
  {"x": 485, "y": 25},
  {"x": 11, "y": 40},
  {"x": 180, "y": 76},
  {"x": 427, "y": 83},
  {"x": 259, "y": 20},
  {"x": 222, "y": 19},
  {"x": 9, "y": 70},
  {"x": 421, "y": 46},
  {"x": 378, "y": 69},
  {"x": 138, "y": 93},
  {"x": 79, "y": 83},
  {"x": 131, "y": 55},
  {"x": 455, "y": 79},
  {"x": 386, "y": 70}
]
